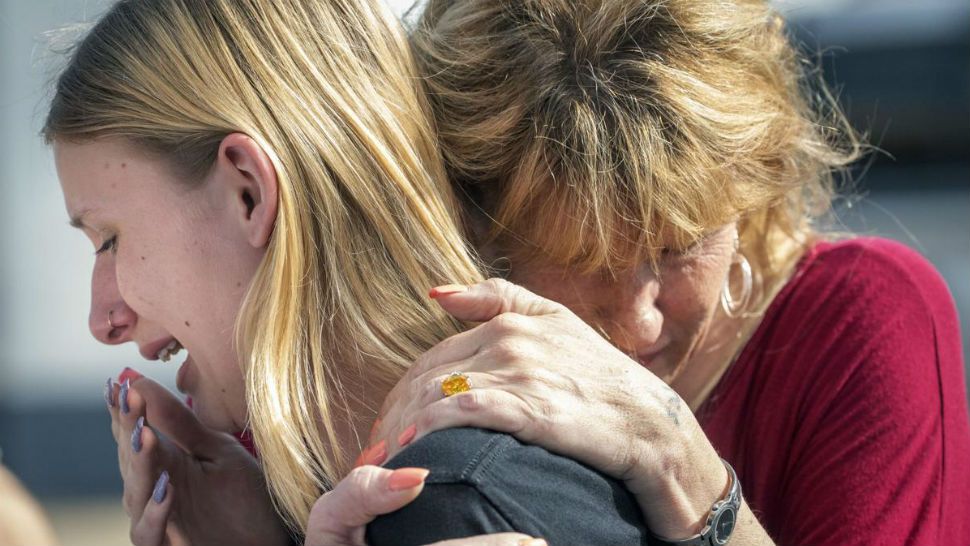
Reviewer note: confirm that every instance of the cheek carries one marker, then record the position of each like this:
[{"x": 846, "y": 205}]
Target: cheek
[
  {"x": 690, "y": 294},
  {"x": 135, "y": 283}
]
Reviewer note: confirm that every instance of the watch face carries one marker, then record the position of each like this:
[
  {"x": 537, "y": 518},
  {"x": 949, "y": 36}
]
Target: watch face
[{"x": 724, "y": 526}]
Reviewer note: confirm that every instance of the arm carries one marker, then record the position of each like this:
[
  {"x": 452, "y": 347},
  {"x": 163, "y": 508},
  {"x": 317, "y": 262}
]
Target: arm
[{"x": 595, "y": 405}]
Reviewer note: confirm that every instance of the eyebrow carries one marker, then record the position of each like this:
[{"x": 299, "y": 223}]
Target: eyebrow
[{"x": 77, "y": 220}]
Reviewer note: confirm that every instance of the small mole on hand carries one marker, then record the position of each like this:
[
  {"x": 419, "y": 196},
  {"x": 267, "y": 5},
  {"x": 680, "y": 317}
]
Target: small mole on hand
[
  {"x": 143, "y": 258},
  {"x": 187, "y": 323},
  {"x": 124, "y": 165},
  {"x": 238, "y": 284}
]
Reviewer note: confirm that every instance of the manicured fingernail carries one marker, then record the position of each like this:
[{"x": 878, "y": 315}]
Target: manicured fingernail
[
  {"x": 447, "y": 289},
  {"x": 161, "y": 488},
  {"x": 408, "y": 435},
  {"x": 377, "y": 454},
  {"x": 532, "y": 542},
  {"x": 128, "y": 374},
  {"x": 136, "y": 435},
  {"x": 407, "y": 478},
  {"x": 123, "y": 396},
  {"x": 109, "y": 388}
]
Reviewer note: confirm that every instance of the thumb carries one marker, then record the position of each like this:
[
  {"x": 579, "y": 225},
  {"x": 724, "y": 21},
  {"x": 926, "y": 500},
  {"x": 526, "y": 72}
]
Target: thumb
[
  {"x": 340, "y": 516},
  {"x": 170, "y": 416},
  {"x": 486, "y": 300}
]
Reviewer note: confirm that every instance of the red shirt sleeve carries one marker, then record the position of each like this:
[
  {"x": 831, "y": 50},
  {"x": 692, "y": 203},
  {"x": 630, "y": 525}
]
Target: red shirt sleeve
[{"x": 847, "y": 410}]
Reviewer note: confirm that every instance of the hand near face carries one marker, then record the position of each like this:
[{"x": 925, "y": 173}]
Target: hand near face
[
  {"x": 212, "y": 491},
  {"x": 540, "y": 373}
]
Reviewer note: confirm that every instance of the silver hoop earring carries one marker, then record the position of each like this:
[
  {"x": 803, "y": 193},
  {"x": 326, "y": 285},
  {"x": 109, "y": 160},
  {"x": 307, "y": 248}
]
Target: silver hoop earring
[{"x": 734, "y": 307}]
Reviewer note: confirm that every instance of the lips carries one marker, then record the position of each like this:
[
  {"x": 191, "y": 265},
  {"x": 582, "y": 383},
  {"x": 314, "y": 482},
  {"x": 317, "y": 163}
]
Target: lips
[
  {"x": 182, "y": 375},
  {"x": 648, "y": 357},
  {"x": 150, "y": 351}
]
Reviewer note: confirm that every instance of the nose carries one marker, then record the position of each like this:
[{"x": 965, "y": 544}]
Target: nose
[
  {"x": 111, "y": 320},
  {"x": 631, "y": 319}
]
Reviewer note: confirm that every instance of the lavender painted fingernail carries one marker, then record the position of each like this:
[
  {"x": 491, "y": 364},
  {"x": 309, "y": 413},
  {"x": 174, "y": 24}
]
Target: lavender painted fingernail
[
  {"x": 108, "y": 392},
  {"x": 123, "y": 397},
  {"x": 136, "y": 435},
  {"x": 161, "y": 488}
]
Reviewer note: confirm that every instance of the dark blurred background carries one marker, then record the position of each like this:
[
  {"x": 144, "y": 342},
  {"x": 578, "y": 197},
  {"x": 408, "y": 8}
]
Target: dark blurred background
[{"x": 900, "y": 68}]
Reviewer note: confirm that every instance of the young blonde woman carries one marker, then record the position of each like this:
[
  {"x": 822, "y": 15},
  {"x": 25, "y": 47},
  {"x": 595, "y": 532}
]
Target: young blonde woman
[{"x": 261, "y": 185}]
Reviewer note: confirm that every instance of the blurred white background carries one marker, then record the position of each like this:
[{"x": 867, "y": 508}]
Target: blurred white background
[{"x": 906, "y": 70}]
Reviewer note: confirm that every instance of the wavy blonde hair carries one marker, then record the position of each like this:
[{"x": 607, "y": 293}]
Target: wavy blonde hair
[
  {"x": 366, "y": 219},
  {"x": 596, "y": 133}
]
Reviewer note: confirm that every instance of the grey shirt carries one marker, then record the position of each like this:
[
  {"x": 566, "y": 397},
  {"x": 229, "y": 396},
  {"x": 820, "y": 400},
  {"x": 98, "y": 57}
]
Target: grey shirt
[{"x": 487, "y": 482}]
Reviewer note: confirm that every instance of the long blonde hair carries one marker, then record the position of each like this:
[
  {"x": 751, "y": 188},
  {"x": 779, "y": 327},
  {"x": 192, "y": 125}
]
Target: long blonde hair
[
  {"x": 595, "y": 133},
  {"x": 366, "y": 219}
]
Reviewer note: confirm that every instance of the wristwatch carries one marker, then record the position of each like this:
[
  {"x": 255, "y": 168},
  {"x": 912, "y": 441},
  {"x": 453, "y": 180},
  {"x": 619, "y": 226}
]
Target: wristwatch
[{"x": 720, "y": 522}]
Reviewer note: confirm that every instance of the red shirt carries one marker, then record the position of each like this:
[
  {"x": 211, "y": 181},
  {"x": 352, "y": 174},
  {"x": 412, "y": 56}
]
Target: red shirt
[{"x": 845, "y": 416}]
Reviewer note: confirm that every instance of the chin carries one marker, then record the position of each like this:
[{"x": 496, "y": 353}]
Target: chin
[{"x": 215, "y": 418}]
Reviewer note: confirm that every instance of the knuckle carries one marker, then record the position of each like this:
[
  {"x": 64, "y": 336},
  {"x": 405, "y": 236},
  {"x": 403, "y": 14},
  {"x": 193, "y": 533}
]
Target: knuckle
[
  {"x": 472, "y": 401},
  {"x": 507, "y": 324},
  {"x": 498, "y": 284},
  {"x": 431, "y": 390},
  {"x": 361, "y": 480}
]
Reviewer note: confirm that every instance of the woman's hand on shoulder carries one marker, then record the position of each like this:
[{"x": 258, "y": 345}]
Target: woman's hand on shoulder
[{"x": 540, "y": 373}]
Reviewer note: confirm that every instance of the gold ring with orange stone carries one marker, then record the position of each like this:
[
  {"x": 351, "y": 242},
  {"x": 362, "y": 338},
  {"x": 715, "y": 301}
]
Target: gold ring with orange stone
[{"x": 455, "y": 383}]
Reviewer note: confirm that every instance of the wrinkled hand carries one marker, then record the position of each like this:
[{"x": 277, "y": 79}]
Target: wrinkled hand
[
  {"x": 543, "y": 375},
  {"x": 215, "y": 494}
]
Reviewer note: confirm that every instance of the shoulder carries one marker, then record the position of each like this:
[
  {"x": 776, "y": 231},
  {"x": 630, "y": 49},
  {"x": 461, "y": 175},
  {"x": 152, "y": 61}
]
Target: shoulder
[
  {"x": 866, "y": 283},
  {"x": 863, "y": 324},
  {"x": 875, "y": 267},
  {"x": 483, "y": 481}
]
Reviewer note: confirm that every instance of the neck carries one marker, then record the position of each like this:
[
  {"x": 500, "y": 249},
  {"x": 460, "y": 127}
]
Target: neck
[
  {"x": 363, "y": 398},
  {"x": 713, "y": 357}
]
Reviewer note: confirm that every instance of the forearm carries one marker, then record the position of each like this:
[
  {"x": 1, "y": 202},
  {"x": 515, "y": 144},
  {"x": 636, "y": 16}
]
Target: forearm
[{"x": 677, "y": 481}]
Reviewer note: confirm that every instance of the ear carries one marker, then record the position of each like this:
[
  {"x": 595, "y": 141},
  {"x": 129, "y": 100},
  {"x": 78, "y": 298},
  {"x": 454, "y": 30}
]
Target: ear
[{"x": 250, "y": 178}]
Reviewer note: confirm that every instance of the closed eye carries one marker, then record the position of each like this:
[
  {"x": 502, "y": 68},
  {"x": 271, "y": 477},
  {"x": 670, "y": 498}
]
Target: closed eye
[{"x": 110, "y": 244}]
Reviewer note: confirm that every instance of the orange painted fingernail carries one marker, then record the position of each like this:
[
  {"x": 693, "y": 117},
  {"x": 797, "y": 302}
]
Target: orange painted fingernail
[
  {"x": 407, "y": 478},
  {"x": 129, "y": 374},
  {"x": 408, "y": 435},
  {"x": 377, "y": 454},
  {"x": 532, "y": 542},
  {"x": 447, "y": 289}
]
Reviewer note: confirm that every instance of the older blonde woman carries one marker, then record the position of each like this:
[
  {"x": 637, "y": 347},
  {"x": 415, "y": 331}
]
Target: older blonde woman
[{"x": 658, "y": 169}]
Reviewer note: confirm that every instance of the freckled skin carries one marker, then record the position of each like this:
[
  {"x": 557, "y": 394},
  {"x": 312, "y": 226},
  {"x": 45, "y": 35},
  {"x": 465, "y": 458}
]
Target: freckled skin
[
  {"x": 191, "y": 234},
  {"x": 666, "y": 319}
]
